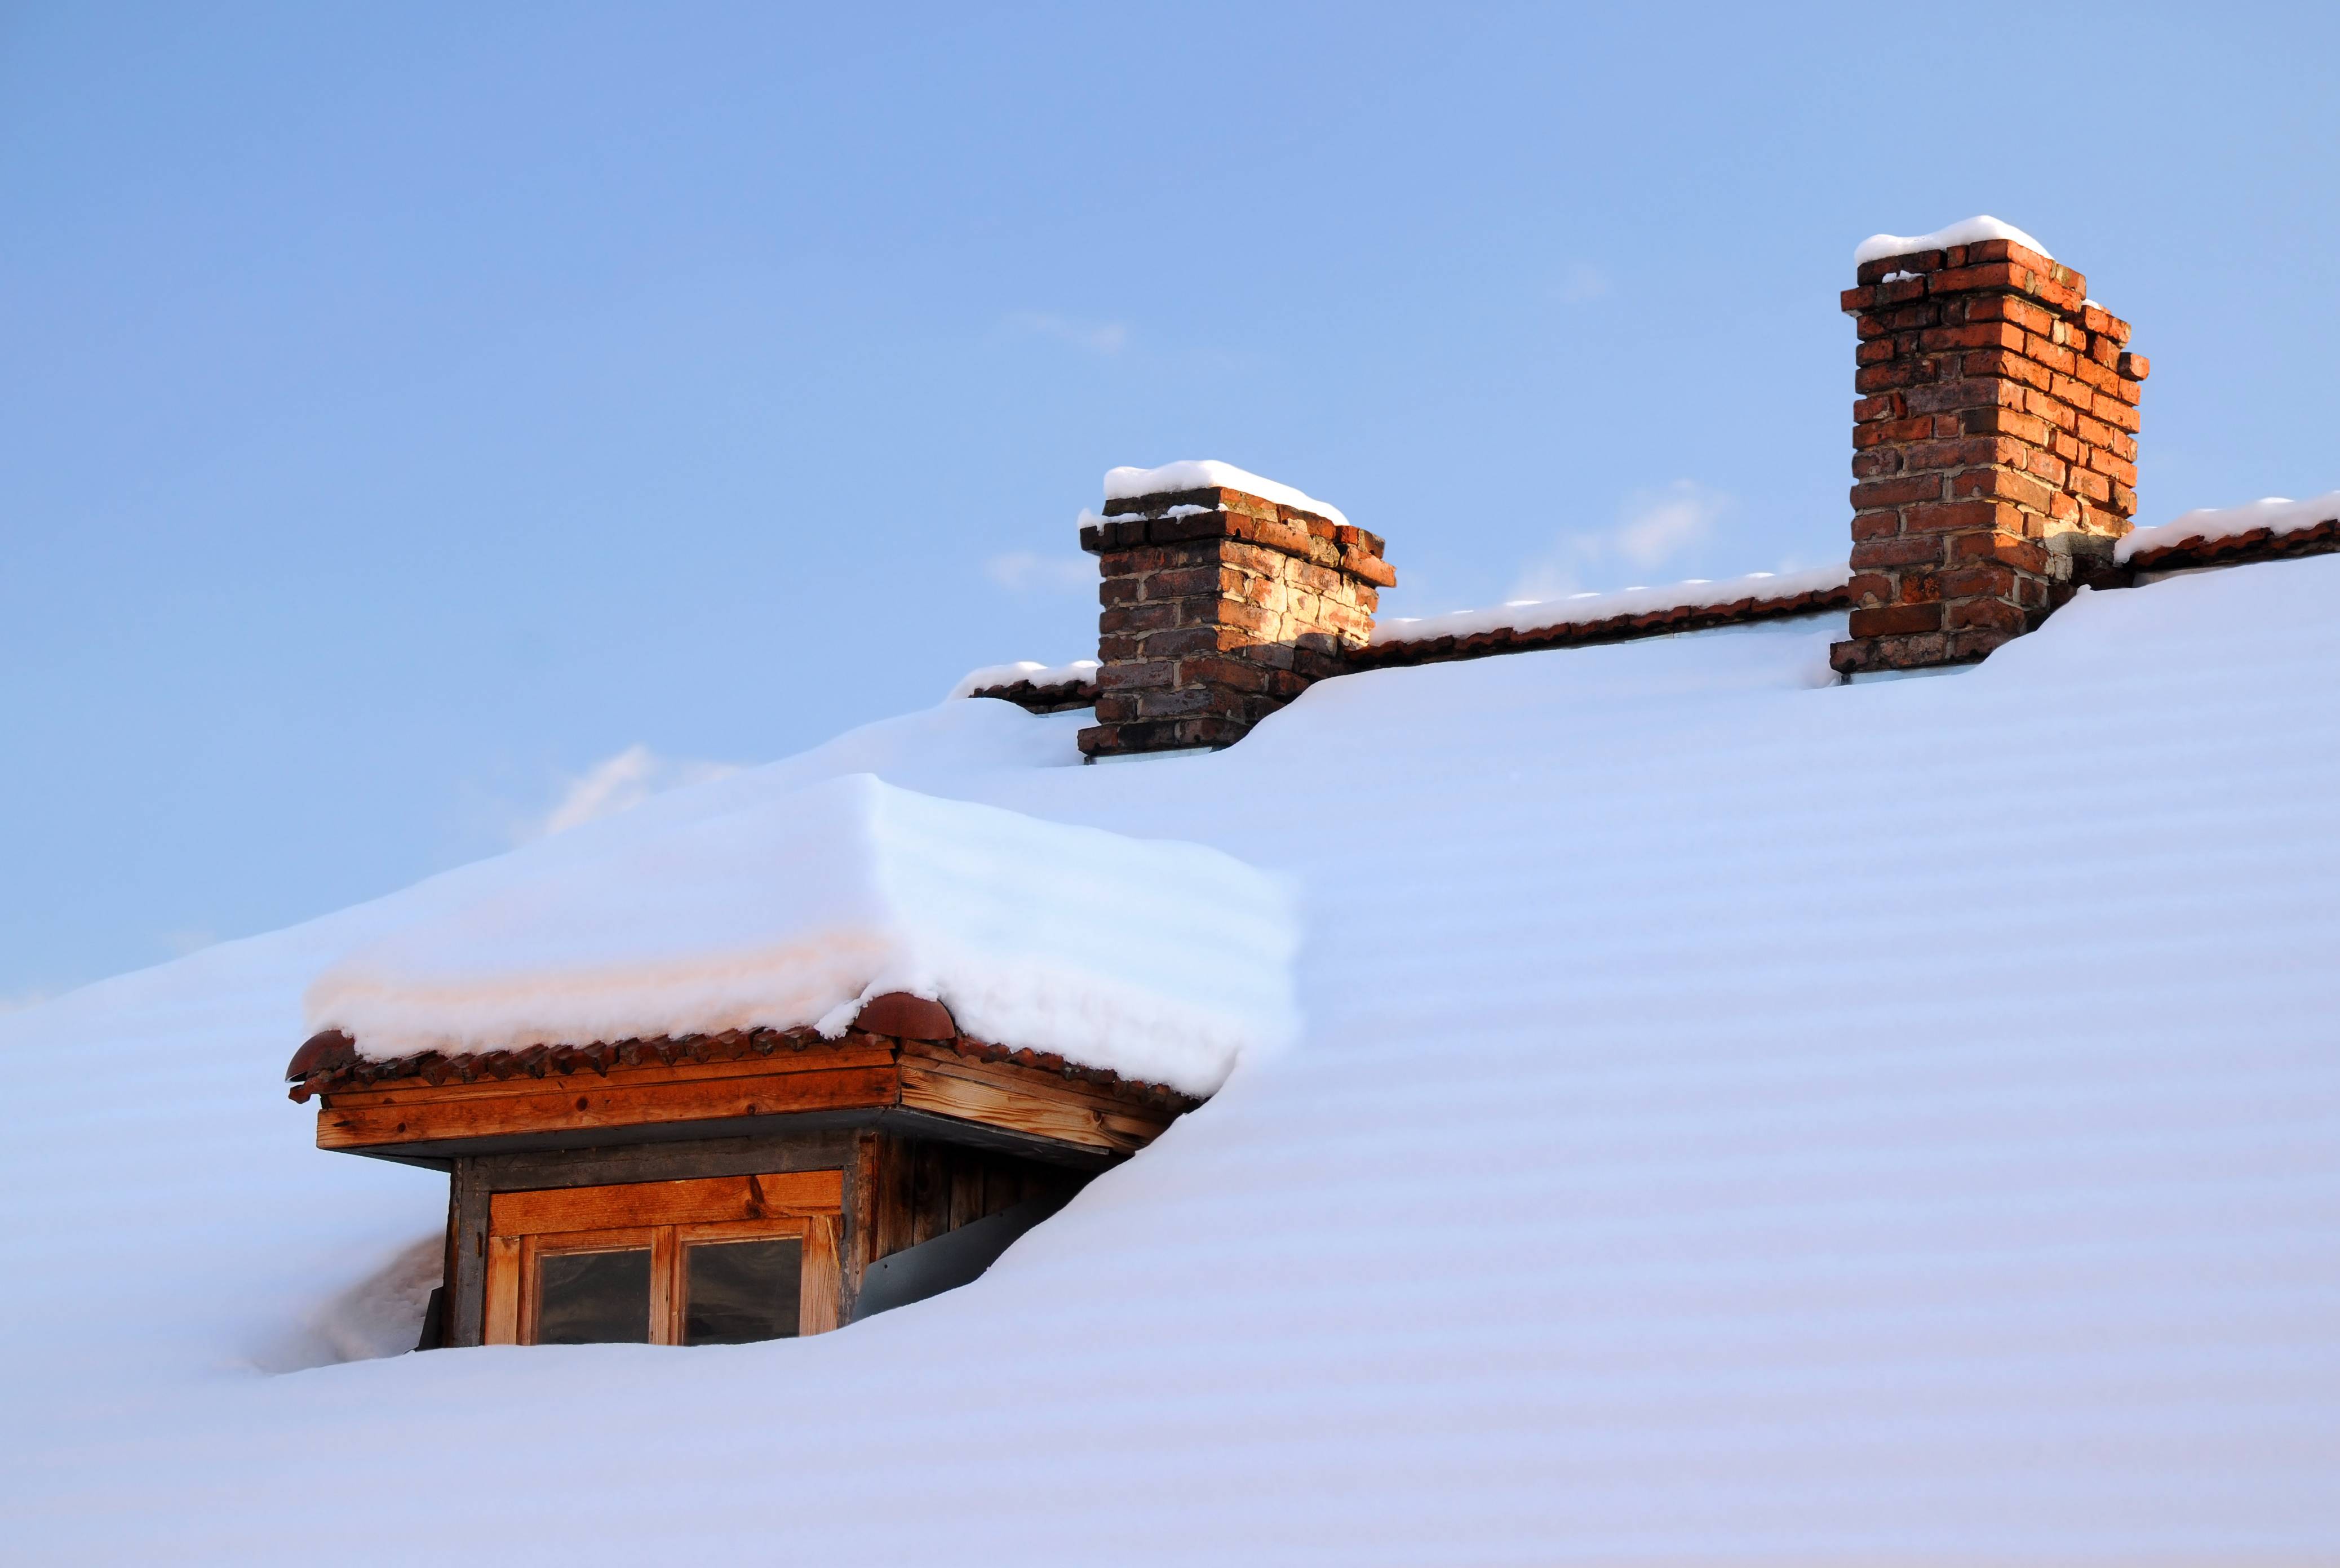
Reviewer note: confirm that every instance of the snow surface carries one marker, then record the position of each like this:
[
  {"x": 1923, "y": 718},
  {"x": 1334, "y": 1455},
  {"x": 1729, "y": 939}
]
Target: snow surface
[
  {"x": 2278, "y": 513},
  {"x": 1734, "y": 1122},
  {"x": 1584, "y": 609},
  {"x": 1964, "y": 232},
  {"x": 798, "y": 909},
  {"x": 1024, "y": 670},
  {"x": 1203, "y": 474}
]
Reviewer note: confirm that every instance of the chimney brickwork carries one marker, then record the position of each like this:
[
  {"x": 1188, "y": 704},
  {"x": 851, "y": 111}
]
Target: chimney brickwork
[
  {"x": 1220, "y": 607},
  {"x": 1995, "y": 450}
]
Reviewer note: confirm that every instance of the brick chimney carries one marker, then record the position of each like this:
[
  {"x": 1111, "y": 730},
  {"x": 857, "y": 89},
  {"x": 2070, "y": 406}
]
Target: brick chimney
[
  {"x": 1994, "y": 442},
  {"x": 1225, "y": 595}
]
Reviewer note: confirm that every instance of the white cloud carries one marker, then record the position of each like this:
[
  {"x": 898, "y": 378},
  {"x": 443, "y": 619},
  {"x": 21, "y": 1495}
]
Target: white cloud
[
  {"x": 1662, "y": 524},
  {"x": 1096, "y": 337},
  {"x": 1581, "y": 282},
  {"x": 17, "y": 1001},
  {"x": 618, "y": 784},
  {"x": 1653, "y": 527},
  {"x": 1023, "y": 572}
]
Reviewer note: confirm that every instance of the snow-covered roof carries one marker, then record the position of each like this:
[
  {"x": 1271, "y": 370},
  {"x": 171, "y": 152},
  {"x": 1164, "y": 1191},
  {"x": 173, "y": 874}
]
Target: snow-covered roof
[
  {"x": 1517, "y": 624},
  {"x": 1730, "y": 1122},
  {"x": 1754, "y": 589},
  {"x": 795, "y": 911},
  {"x": 1025, "y": 672},
  {"x": 2277, "y": 516}
]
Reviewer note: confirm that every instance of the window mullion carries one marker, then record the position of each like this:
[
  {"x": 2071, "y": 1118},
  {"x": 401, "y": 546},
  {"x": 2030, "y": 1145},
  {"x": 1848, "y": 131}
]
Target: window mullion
[{"x": 666, "y": 1288}]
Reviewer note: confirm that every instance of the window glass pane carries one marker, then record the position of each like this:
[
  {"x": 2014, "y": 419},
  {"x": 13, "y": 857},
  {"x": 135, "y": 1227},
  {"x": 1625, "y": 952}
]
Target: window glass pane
[
  {"x": 594, "y": 1297},
  {"x": 736, "y": 1291}
]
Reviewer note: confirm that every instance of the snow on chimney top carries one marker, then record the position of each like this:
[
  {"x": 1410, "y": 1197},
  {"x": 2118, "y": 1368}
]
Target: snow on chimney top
[{"x": 1225, "y": 595}]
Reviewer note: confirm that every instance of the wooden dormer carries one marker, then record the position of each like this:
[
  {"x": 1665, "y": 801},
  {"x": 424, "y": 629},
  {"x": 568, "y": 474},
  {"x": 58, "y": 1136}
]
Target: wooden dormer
[{"x": 749, "y": 1184}]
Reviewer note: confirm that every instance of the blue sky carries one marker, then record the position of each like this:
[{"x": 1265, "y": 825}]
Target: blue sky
[{"x": 421, "y": 423}]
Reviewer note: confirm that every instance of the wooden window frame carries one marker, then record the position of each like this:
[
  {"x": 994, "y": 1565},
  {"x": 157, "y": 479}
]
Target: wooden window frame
[{"x": 666, "y": 1217}]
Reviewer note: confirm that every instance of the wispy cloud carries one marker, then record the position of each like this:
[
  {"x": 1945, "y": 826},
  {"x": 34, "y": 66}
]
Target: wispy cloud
[
  {"x": 1662, "y": 524},
  {"x": 1580, "y": 282},
  {"x": 1096, "y": 337},
  {"x": 618, "y": 784},
  {"x": 1652, "y": 527},
  {"x": 16, "y": 1001},
  {"x": 1023, "y": 572}
]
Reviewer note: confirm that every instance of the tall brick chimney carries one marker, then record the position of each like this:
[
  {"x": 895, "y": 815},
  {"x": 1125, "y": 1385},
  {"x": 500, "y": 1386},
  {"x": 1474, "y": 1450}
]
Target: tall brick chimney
[
  {"x": 1225, "y": 595},
  {"x": 1994, "y": 442}
]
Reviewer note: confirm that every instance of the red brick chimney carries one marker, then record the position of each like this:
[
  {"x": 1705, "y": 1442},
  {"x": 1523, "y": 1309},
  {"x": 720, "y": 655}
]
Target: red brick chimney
[
  {"x": 1225, "y": 595},
  {"x": 1994, "y": 442}
]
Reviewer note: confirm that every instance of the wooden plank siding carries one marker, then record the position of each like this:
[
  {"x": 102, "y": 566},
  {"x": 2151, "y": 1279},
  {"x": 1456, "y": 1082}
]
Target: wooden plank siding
[
  {"x": 976, "y": 1092},
  {"x": 865, "y": 1073},
  {"x": 423, "y": 1116},
  {"x": 861, "y": 1207},
  {"x": 709, "y": 1200},
  {"x": 929, "y": 1187}
]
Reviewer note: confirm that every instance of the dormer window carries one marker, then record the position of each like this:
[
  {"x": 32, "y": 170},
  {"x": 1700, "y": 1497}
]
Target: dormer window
[
  {"x": 715, "y": 1190},
  {"x": 721, "y": 1260}
]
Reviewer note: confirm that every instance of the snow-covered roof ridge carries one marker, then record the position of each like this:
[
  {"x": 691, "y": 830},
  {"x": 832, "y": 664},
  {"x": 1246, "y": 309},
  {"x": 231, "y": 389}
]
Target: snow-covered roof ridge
[
  {"x": 1209, "y": 474},
  {"x": 794, "y": 912},
  {"x": 1755, "y": 588},
  {"x": 1074, "y": 673},
  {"x": 1964, "y": 232},
  {"x": 2277, "y": 516}
]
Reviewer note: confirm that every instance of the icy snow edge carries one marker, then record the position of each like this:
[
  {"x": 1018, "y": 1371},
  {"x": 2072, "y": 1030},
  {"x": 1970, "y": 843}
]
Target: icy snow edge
[
  {"x": 1965, "y": 232},
  {"x": 1584, "y": 609},
  {"x": 2276, "y": 514},
  {"x": 989, "y": 675},
  {"x": 1162, "y": 961},
  {"x": 1204, "y": 474}
]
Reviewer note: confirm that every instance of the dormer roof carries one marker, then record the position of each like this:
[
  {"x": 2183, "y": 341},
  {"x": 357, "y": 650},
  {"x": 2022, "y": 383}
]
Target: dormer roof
[{"x": 1152, "y": 961}]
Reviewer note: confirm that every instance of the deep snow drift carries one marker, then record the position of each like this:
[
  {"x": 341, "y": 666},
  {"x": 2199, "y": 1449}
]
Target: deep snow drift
[
  {"x": 1734, "y": 1120},
  {"x": 797, "y": 909}
]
